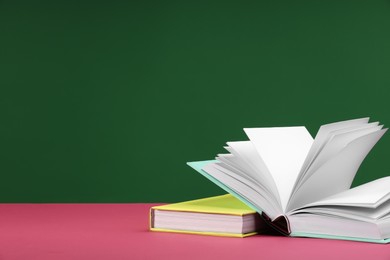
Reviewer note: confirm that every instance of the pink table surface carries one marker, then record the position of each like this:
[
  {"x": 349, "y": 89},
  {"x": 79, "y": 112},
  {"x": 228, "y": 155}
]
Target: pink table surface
[{"x": 120, "y": 231}]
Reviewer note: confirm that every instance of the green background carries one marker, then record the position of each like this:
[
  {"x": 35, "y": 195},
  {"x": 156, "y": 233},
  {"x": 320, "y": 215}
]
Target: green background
[{"x": 107, "y": 101}]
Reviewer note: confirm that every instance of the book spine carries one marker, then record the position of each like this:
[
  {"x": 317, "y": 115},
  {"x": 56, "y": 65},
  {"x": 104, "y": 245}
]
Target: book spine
[{"x": 280, "y": 224}]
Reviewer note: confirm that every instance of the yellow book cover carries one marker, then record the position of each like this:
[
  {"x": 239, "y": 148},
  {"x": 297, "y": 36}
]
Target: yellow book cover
[{"x": 218, "y": 216}]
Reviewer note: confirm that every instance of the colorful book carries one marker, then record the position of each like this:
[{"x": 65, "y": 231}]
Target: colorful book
[
  {"x": 301, "y": 186},
  {"x": 217, "y": 216}
]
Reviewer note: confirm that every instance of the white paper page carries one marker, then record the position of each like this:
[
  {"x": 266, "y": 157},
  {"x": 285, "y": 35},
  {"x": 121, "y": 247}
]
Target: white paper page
[
  {"x": 367, "y": 195},
  {"x": 336, "y": 174},
  {"x": 326, "y": 139},
  {"x": 283, "y": 150},
  {"x": 336, "y": 142},
  {"x": 236, "y": 162},
  {"x": 323, "y": 225},
  {"x": 231, "y": 163},
  {"x": 322, "y": 137},
  {"x": 364, "y": 212},
  {"x": 261, "y": 193},
  {"x": 246, "y": 151}
]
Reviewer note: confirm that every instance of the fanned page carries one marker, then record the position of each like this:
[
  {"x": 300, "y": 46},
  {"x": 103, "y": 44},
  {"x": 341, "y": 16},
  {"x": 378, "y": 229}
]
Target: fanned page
[
  {"x": 281, "y": 171},
  {"x": 283, "y": 150},
  {"x": 323, "y": 136},
  {"x": 281, "y": 168},
  {"x": 335, "y": 166},
  {"x": 244, "y": 160},
  {"x": 254, "y": 170}
]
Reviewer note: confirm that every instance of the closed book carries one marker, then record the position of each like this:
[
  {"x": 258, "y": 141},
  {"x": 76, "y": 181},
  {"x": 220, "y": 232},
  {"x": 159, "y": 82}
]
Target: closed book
[{"x": 218, "y": 216}]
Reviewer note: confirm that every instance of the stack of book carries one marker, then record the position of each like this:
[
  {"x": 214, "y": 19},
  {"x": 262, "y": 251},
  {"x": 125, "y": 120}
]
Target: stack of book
[{"x": 282, "y": 178}]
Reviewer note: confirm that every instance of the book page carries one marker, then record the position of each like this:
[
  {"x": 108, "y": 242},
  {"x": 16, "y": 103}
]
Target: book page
[
  {"x": 337, "y": 140},
  {"x": 246, "y": 154},
  {"x": 231, "y": 163},
  {"x": 370, "y": 195},
  {"x": 322, "y": 138},
  {"x": 336, "y": 175},
  {"x": 283, "y": 151}
]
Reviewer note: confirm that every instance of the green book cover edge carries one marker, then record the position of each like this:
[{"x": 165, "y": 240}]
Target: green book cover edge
[{"x": 198, "y": 167}]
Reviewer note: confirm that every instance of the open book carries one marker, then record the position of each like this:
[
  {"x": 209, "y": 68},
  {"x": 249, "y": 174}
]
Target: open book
[{"x": 302, "y": 186}]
